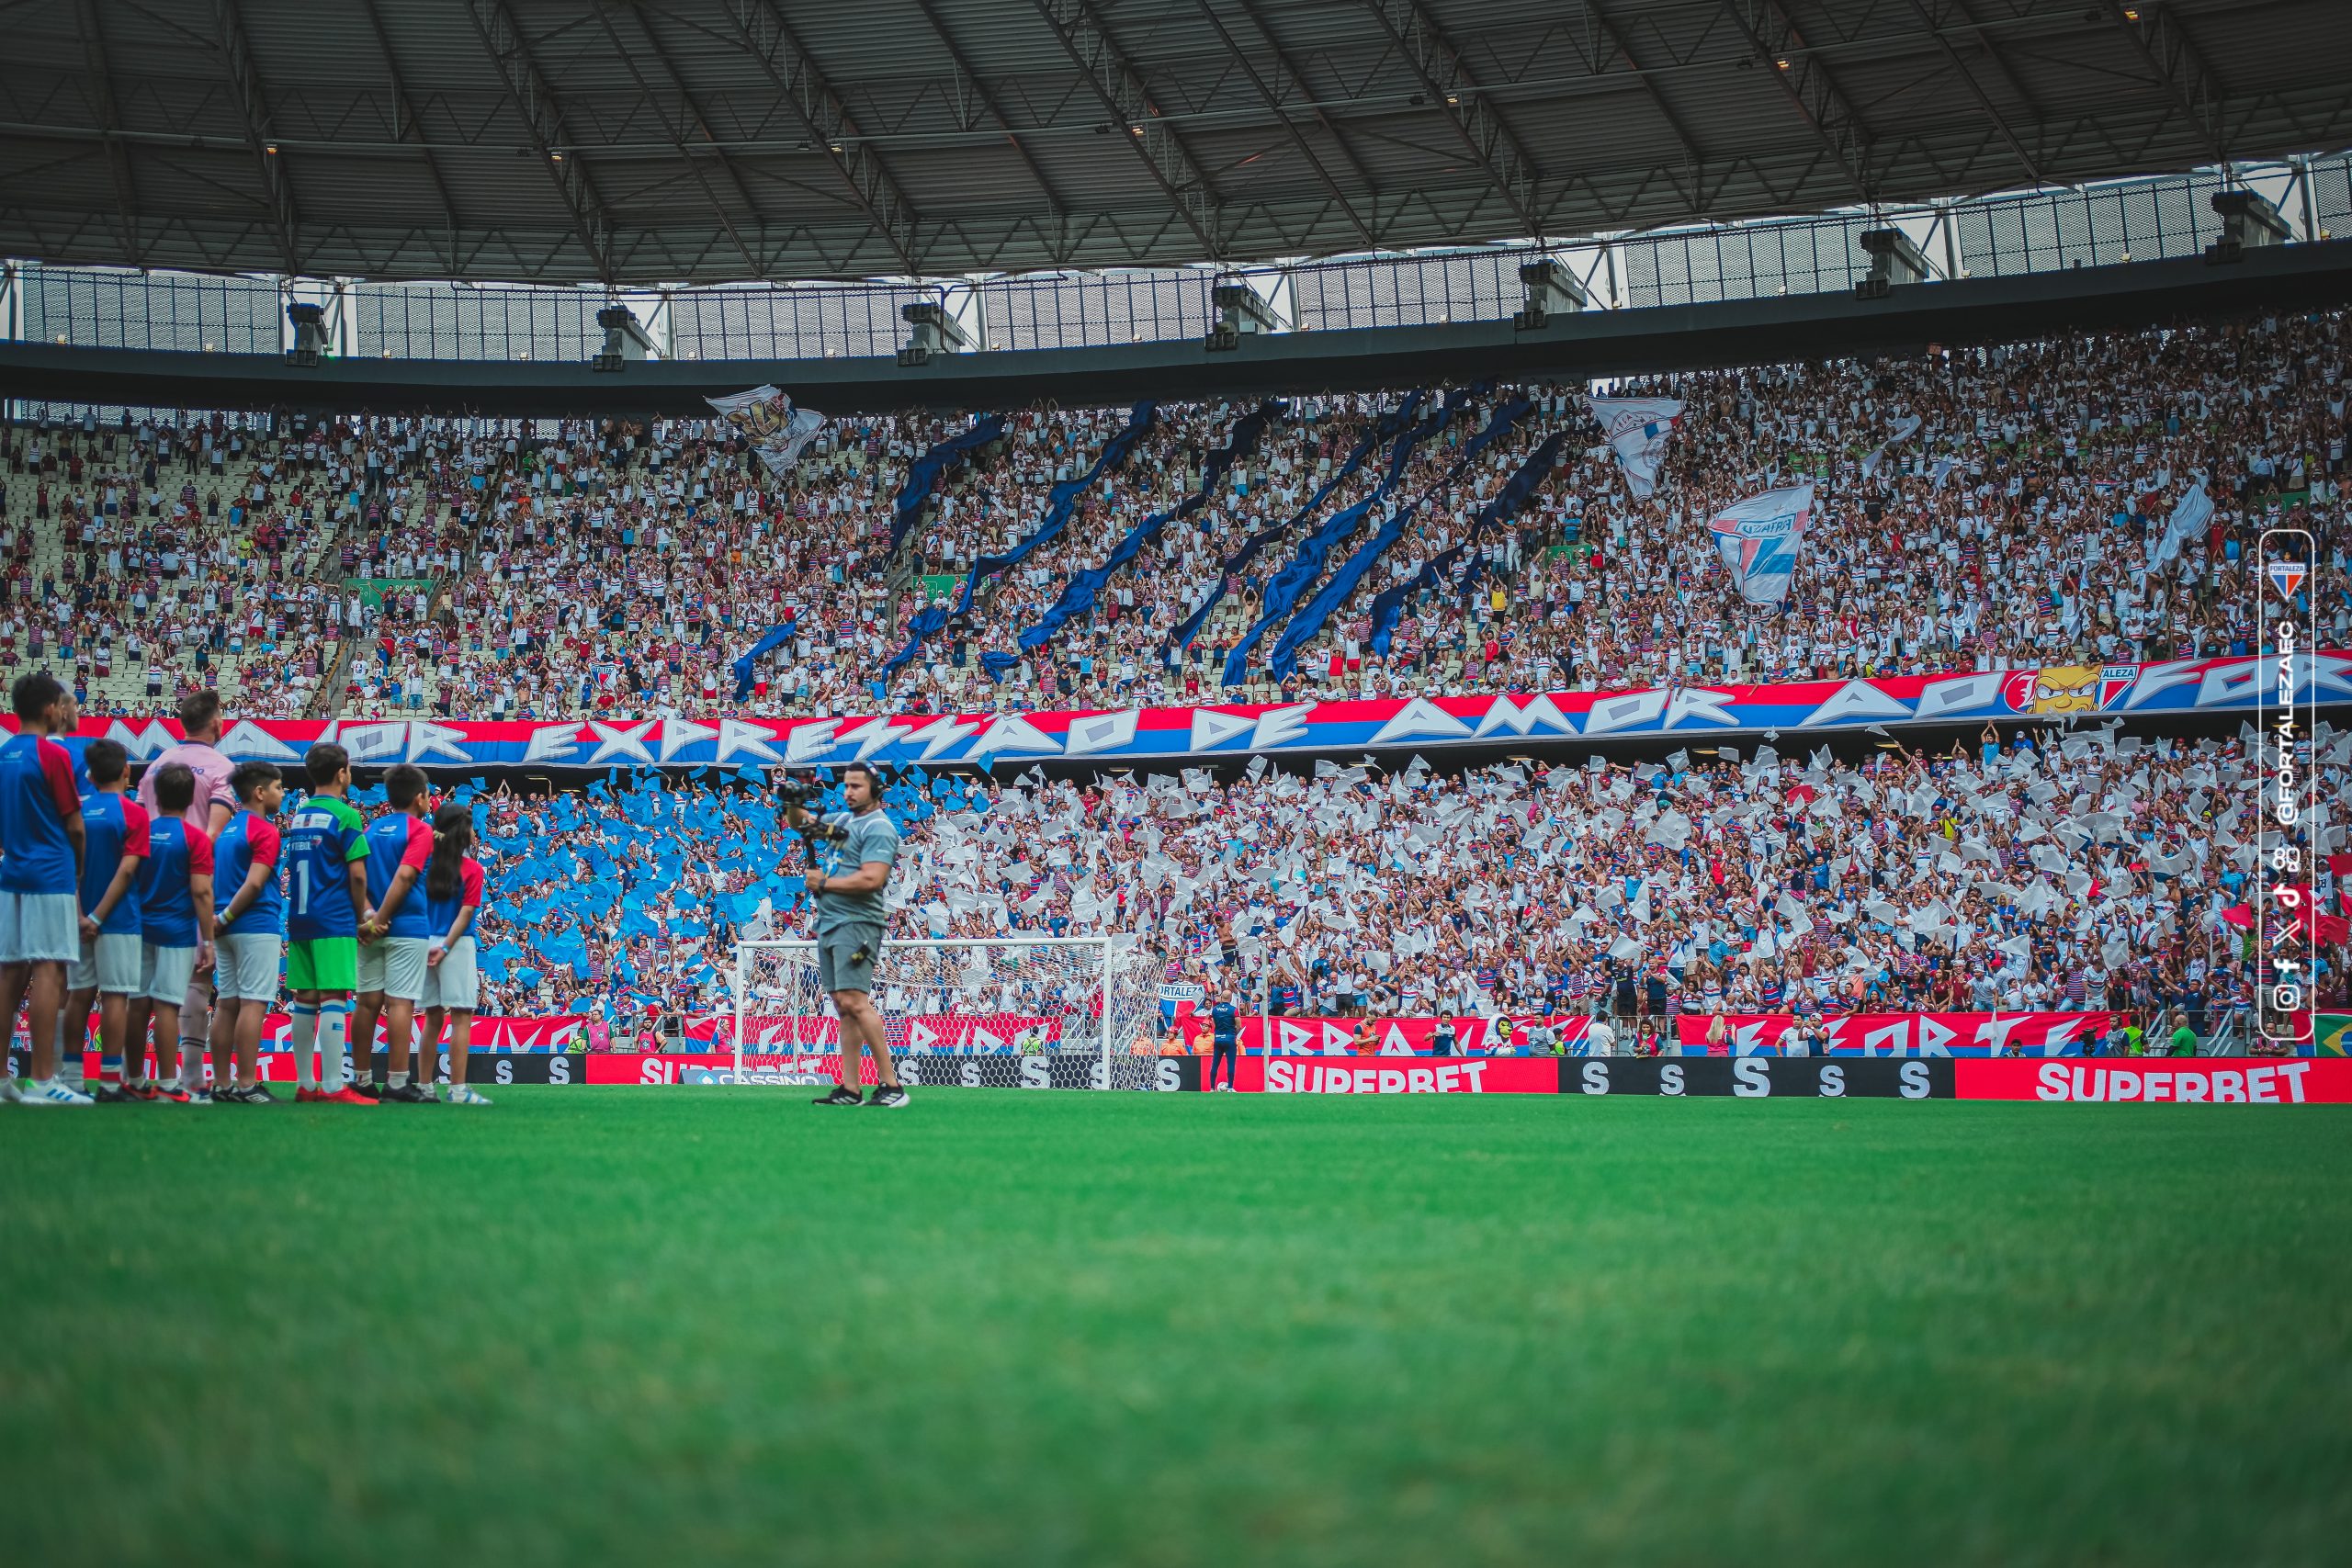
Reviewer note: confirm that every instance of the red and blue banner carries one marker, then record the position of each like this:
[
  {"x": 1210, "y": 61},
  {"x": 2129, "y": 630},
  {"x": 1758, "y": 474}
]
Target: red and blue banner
[
  {"x": 1900, "y": 1034},
  {"x": 1238, "y": 730}
]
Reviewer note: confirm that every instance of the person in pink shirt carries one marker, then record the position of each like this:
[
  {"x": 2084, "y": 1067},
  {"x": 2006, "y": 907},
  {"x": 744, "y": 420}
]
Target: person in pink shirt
[{"x": 209, "y": 813}]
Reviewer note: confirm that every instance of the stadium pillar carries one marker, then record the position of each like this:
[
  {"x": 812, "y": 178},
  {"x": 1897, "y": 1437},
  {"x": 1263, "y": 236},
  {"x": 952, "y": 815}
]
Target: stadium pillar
[{"x": 967, "y": 307}]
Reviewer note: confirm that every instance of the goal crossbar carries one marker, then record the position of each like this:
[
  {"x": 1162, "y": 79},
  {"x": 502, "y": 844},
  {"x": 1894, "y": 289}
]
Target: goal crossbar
[{"x": 1004, "y": 999}]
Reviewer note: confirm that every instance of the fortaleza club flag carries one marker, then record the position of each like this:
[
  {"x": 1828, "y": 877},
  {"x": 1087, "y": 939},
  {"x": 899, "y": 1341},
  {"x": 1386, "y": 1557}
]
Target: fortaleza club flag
[
  {"x": 1759, "y": 538},
  {"x": 777, "y": 430},
  {"x": 1638, "y": 429}
]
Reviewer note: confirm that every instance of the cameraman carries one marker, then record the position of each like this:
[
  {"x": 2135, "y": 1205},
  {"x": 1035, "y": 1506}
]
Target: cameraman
[{"x": 850, "y": 915}]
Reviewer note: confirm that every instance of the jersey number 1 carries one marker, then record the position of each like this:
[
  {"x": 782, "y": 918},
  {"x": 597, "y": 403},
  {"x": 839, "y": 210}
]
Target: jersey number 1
[{"x": 301, "y": 887}]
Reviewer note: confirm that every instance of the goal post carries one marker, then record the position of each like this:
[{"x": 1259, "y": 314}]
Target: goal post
[{"x": 1062, "y": 1012}]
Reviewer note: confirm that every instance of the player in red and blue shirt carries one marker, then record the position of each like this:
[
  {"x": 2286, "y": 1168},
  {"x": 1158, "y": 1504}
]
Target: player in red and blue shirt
[
  {"x": 394, "y": 939},
  {"x": 114, "y": 830},
  {"x": 41, "y": 873},
  {"x": 174, "y": 928},
  {"x": 253, "y": 926},
  {"x": 453, "y": 884}
]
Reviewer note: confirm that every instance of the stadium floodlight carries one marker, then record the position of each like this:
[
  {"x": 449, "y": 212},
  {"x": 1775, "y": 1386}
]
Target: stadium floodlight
[
  {"x": 624, "y": 339},
  {"x": 1239, "y": 311},
  {"x": 935, "y": 332},
  {"x": 1893, "y": 259},
  {"x": 1004, "y": 1012},
  {"x": 310, "y": 335},
  {"x": 2248, "y": 222},
  {"x": 1552, "y": 290}
]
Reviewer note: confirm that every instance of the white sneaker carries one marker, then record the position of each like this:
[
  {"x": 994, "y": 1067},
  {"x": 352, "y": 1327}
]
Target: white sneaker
[
  {"x": 54, "y": 1093},
  {"x": 9, "y": 1092},
  {"x": 466, "y": 1094}
]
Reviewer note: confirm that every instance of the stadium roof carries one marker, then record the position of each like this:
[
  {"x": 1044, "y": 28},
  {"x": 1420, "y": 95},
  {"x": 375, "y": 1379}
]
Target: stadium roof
[{"x": 647, "y": 140}]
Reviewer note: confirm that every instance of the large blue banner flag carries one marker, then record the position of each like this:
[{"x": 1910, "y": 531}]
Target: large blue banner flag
[{"x": 1759, "y": 538}]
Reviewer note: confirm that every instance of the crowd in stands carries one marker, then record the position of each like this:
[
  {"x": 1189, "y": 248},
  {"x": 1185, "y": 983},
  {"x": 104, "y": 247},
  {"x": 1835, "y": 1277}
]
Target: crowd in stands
[
  {"x": 1982, "y": 507},
  {"x": 1976, "y": 508},
  {"x": 623, "y": 570},
  {"x": 144, "y": 559},
  {"x": 2032, "y": 872}
]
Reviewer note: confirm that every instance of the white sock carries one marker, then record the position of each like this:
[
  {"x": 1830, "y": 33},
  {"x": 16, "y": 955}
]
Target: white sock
[
  {"x": 192, "y": 1064},
  {"x": 69, "y": 1064},
  {"x": 304, "y": 1018},
  {"x": 334, "y": 1026},
  {"x": 399, "y": 1080}
]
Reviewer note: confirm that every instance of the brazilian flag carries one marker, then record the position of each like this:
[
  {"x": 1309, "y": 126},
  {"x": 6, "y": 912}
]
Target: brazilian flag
[{"x": 2332, "y": 1033}]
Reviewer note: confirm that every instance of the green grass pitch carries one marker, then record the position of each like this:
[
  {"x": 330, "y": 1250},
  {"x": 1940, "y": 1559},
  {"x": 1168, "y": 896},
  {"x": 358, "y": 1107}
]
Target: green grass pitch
[{"x": 653, "y": 1326}]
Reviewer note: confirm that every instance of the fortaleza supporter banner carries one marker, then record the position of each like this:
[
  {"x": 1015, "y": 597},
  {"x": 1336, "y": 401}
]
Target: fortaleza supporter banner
[
  {"x": 1474, "y": 1036},
  {"x": 1239, "y": 730},
  {"x": 1900, "y": 1034}
]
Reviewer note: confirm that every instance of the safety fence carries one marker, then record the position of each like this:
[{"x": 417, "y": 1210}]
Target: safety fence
[{"x": 2025, "y": 231}]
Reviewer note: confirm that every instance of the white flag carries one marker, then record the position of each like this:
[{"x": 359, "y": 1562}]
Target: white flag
[
  {"x": 1638, "y": 429},
  {"x": 777, "y": 430},
  {"x": 1904, "y": 428},
  {"x": 2189, "y": 514},
  {"x": 1758, "y": 539}
]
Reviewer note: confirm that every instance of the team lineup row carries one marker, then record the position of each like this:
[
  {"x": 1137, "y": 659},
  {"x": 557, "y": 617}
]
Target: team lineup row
[{"x": 127, "y": 903}]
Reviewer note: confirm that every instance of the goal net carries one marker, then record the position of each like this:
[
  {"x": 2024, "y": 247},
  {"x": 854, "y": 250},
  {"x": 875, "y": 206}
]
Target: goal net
[{"x": 1012, "y": 1012}]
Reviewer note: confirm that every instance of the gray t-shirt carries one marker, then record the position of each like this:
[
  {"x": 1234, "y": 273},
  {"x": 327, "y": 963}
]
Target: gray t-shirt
[{"x": 872, "y": 837}]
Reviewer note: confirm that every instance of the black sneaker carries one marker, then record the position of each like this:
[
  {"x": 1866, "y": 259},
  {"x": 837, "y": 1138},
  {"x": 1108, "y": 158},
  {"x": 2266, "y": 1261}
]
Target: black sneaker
[
  {"x": 112, "y": 1094},
  {"x": 891, "y": 1097},
  {"x": 253, "y": 1094},
  {"x": 411, "y": 1094},
  {"x": 374, "y": 1090},
  {"x": 843, "y": 1095}
]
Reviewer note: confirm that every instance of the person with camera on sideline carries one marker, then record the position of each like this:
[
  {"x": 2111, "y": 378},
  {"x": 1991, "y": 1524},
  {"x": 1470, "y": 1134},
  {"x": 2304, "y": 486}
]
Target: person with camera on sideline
[{"x": 850, "y": 915}]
